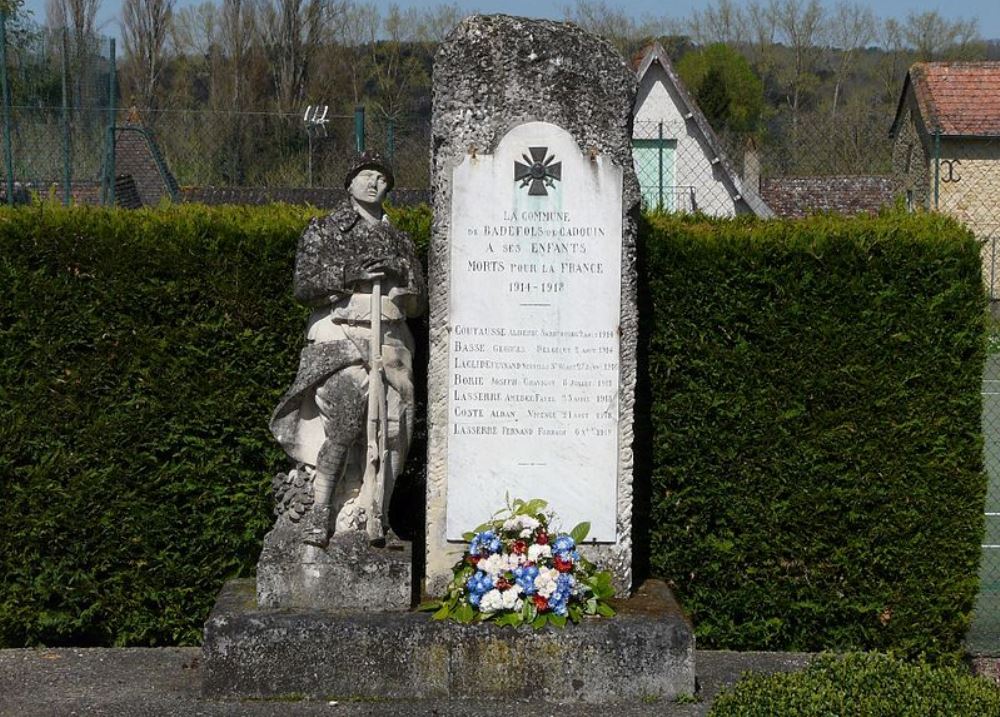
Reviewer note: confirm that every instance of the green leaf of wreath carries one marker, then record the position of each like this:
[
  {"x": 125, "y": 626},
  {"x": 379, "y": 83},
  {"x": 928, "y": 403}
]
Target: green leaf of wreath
[{"x": 605, "y": 610}]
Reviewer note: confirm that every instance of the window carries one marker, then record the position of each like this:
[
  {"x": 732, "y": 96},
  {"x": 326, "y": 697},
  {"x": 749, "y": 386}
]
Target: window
[{"x": 655, "y": 168}]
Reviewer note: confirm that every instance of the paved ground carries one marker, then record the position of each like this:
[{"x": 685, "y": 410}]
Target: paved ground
[{"x": 142, "y": 682}]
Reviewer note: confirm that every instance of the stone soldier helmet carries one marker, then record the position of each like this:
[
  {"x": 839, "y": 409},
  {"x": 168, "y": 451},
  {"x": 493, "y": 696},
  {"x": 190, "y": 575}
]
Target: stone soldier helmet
[{"x": 370, "y": 159}]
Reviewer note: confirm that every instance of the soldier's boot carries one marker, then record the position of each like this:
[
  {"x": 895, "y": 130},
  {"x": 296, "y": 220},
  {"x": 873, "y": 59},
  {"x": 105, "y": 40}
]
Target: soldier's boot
[{"x": 316, "y": 526}]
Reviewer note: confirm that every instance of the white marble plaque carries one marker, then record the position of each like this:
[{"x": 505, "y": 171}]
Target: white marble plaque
[{"x": 533, "y": 355}]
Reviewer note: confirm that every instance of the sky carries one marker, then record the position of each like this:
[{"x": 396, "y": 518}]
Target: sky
[{"x": 987, "y": 12}]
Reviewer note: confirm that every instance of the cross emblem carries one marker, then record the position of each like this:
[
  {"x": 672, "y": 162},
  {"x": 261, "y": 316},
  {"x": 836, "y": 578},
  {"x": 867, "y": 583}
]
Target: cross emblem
[{"x": 539, "y": 171}]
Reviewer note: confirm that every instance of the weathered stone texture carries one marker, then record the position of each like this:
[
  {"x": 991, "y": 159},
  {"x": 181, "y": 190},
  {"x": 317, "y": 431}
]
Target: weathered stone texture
[
  {"x": 646, "y": 651},
  {"x": 492, "y": 74},
  {"x": 346, "y": 575}
]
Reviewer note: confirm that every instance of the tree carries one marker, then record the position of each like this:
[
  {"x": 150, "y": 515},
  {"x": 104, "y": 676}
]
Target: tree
[
  {"x": 728, "y": 92},
  {"x": 77, "y": 15},
  {"x": 801, "y": 23},
  {"x": 720, "y": 21},
  {"x": 291, "y": 33},
  {"x": 893, "y": 61},
  {"x": 762, "y": 22},
  {"x": 617, "y": 26},
  {"x": 399, "y": 66},
  {"x": 237, "y": 29},
  {"x": 145, "y": 28},
  {"x": 434, "y": 23},
  {"x": 934, "y": 38},
  {"x": 851, "y": 28}
]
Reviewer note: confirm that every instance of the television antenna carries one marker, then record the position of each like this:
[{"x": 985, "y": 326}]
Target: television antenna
[{"x": 315, "y": 119}]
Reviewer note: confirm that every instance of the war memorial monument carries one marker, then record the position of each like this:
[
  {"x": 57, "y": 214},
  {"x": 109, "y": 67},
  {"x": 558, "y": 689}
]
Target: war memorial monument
[{"x": 531, "y": 385}]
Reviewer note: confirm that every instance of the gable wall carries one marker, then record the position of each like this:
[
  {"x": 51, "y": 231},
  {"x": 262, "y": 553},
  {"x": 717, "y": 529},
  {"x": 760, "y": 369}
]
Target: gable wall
[
  {"x": 911, "y": 159},
  {"x": 657, "y": 102}
]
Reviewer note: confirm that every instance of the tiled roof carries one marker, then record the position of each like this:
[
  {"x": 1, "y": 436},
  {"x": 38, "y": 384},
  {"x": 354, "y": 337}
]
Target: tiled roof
[
  {"x": 958, "y": 98},
  {"x": 801, "y": 196}
]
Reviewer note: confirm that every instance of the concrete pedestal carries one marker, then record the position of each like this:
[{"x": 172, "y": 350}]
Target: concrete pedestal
[
  {"x": 346, "y": 575},
  {"x": 646, "y": 651}
]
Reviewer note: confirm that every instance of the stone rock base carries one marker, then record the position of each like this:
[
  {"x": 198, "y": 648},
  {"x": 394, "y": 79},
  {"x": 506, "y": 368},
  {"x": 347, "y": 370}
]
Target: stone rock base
[
  {"x": 346, "y": 575},
  {"x": 646, "y": 651}
]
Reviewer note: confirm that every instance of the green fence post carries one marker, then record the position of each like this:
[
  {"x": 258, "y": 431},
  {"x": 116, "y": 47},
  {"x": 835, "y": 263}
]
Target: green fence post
[
  {"x": 112, "y": 90},
  {"x": 67, "y": 149},
  {"x": 659, "y": 157},
  {"x": 937, "y": 166},
  {"x": 359, "y": 128},
  {"x": 8, "y": 154}
]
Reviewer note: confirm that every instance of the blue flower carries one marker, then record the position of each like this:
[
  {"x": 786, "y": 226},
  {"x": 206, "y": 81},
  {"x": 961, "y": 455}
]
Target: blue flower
[
  {"x": 563, "y": 546},
  {"x": 557, "y": 602},
  {"x": 477, "y": 585},
  {"x": 486, "y": 542},
  {"x": 525, "y": 576}
]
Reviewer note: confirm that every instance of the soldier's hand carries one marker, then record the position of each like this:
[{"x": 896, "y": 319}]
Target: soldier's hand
[{"x": 382, "y": 266}]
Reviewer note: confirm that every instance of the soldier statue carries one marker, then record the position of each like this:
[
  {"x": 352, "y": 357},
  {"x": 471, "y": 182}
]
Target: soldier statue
[{"x": 348, "y": 417}]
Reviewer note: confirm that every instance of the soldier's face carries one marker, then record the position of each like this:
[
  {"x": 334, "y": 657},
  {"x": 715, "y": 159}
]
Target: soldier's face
[{"x": 369, "y": 186}]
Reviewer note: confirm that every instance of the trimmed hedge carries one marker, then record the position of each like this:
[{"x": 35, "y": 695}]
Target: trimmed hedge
[
  {"x": 141, "y": 354},
  {"x": 817, "y": 479},
  {"x": 861, "y": 685},
  {"x": 815, "y": 482}
]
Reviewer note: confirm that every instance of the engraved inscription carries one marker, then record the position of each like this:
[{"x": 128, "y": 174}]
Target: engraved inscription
[{"x": 534, "y": 310}]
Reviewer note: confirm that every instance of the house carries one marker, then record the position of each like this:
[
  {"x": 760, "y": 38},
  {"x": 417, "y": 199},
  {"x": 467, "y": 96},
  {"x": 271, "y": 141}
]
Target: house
[
  {"x": 946, "y": 145},
  {"x": 679, "y": 160}
]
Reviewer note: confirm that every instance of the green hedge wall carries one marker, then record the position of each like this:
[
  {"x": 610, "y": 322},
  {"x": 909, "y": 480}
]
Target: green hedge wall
[
  {"x": 141, "y": 354},
  {"x": 816, "y": 477},
  {"x": 816, "y": 448}
]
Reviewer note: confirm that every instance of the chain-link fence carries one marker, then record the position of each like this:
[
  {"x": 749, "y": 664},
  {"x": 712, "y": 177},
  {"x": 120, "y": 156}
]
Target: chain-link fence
[
  {"x": 984, "y": 635},
  {"x": 796, "y": 166},
  {"x": 57, "y": 86},
  {"x": 959, "y": 175},
  {"x": 67, "y": 137},
  {"x": 268, "y": 149},
  {"x": 62, "y": 139}
]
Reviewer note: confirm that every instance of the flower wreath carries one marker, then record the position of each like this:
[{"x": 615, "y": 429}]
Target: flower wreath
[{"x": 518, "y": 570}]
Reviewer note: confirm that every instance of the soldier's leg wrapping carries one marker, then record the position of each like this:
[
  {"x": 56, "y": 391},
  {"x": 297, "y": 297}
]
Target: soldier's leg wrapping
[{"x": 343, "y": 404}]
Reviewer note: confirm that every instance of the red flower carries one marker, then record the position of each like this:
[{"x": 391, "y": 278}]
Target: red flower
[
  {"x": 520, "y": 547},
  {"x": 473, "y": 559},
  {"x": 542, "y": 538},
  {"x": 563, "y": 566},
  {"x": 541, "y": 603},
  {"x": 503, "y": 583}
]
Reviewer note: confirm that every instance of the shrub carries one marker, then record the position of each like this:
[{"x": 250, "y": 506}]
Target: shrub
[
  {"x": 141, "y": 354},
  {"x": 817, "y": 479},
  {"x": 814, "y": 407},
  {"x": 861, "y": 685}
]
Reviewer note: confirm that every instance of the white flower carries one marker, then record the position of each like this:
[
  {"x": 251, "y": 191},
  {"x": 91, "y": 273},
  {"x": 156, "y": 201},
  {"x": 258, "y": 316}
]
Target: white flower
[
  {"x": 491, "y": 565},
  {"x": 529, "y": 523},
  {"x": 491, "y": 601},
  {"x": 545, "y": 583},
  {"x": 539, "y": 551},
  {"x": 512, "y": 560},
  {"x": 510, "y": 599},
  {"x": 523, "y": 523}
]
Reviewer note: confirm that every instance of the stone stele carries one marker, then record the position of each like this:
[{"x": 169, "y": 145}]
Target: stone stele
[{"x": 533, "y": 285}]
